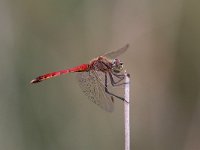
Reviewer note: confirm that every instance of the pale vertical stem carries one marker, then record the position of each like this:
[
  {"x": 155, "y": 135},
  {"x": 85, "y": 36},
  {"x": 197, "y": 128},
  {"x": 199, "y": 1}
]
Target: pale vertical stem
[{"x": 127, "y": 112}]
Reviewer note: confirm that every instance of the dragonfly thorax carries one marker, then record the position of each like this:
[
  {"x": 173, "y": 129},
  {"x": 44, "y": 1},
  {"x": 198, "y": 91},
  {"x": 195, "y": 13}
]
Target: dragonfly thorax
[{"x": 117, "y": 66}]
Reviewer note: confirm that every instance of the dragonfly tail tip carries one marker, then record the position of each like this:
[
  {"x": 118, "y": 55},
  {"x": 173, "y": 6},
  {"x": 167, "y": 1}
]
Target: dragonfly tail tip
[{"x": 34, "y": 81}]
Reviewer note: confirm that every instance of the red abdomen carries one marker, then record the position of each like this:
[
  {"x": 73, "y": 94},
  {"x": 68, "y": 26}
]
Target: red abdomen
[{"x": 81, "y": 68}]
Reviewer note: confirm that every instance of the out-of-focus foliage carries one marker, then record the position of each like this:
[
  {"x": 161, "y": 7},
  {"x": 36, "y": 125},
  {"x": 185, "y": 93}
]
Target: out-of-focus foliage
[{"x": 163, "y": 59}]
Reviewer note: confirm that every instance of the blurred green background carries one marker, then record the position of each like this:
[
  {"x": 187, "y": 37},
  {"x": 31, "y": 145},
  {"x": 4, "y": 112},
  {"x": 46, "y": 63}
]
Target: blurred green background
[{"x": 38, "y": 37}]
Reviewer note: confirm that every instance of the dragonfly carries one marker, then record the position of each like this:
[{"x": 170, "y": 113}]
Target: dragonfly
[{"x": 97, "y": 78}]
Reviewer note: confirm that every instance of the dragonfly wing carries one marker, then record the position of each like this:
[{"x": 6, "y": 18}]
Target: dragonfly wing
[
  {"x": 92, "y": 85},
  {"x": 115, "y": 54}
]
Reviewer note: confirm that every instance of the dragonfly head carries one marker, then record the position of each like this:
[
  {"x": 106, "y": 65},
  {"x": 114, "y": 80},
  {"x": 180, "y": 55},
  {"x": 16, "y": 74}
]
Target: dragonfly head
[{"x": 117, "y": 66}]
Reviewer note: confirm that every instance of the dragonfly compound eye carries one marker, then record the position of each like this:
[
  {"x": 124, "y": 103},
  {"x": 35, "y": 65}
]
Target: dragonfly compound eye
[{"x": 117, "y": 66}]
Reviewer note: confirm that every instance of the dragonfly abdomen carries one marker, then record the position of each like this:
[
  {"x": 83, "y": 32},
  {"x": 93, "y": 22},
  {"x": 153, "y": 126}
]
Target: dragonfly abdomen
[
  {"x": 49, "y": 75},
  {"x": 80, "y": 68}
]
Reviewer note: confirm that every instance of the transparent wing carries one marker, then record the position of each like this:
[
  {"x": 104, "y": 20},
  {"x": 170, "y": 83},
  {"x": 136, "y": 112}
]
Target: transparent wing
[
  {"x": 93, "y": 86},
  {"x": 116, "y": 53}
]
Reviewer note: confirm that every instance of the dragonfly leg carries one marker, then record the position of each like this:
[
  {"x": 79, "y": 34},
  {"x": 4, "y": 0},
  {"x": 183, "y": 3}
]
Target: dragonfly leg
[
  {"x": 108, "y": 92},
  {"x": 119, "y": 76},
  {"x": 116, "y": 83}
]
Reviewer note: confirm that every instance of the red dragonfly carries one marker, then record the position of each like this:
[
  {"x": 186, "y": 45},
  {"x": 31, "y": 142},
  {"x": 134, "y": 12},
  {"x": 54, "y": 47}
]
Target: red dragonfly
[{"x": 97, "y": 78}]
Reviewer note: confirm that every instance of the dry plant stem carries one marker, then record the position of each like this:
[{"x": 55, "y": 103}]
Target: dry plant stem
[{"x": 127, "y": 112}]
